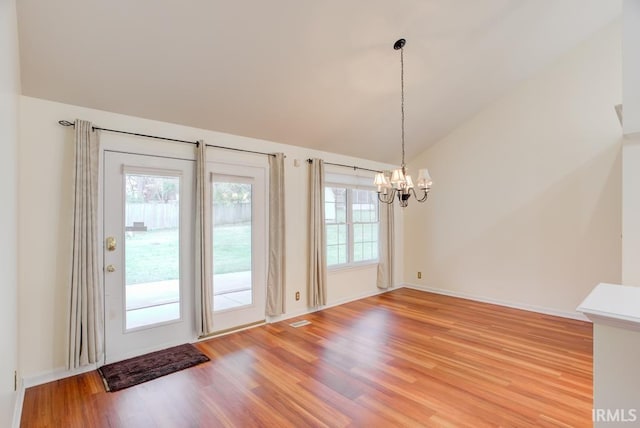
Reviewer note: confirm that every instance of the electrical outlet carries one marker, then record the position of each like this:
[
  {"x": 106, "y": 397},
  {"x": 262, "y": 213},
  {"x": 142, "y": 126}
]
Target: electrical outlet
[
  {"x": 419, "y": 275},
  {"x": 297, "y": 296}
]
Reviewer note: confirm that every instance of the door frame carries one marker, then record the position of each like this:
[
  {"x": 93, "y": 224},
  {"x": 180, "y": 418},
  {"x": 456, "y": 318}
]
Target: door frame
[
  {"x": 258, "y": 173},
  {"x": 135, "y": 145},
  {"x": 184, "y": 327}
]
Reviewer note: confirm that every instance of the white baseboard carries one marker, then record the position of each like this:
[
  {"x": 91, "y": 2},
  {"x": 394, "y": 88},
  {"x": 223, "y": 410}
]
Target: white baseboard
[
  {"x": 56, "y": 374},
  {"x": 338, "y": 302},
  {"x": 17, "y": 409},
  {"x": 531, "y": 308}
]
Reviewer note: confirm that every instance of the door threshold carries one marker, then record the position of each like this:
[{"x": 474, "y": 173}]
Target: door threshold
[{"x": 232, "y": 330}]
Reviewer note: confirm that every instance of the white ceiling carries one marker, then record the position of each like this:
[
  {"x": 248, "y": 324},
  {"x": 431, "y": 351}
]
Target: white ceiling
[{"x": 314, "y": 73}]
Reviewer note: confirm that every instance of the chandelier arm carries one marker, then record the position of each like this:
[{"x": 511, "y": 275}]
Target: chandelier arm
[
  {"x": 387, "y": 199},
  {"x": 424, "y": 198}
]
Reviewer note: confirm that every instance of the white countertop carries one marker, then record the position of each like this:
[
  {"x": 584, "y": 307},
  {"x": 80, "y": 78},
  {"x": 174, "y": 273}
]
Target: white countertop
[{"x": 617, "y": 305}]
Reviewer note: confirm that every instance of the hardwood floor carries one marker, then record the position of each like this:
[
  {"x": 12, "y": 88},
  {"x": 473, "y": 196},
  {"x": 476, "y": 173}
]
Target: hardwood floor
[{"x": 404, "y": 358}]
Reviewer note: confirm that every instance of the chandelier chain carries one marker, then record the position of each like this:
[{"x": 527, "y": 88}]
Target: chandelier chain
[{"x": 402, "y": 100}]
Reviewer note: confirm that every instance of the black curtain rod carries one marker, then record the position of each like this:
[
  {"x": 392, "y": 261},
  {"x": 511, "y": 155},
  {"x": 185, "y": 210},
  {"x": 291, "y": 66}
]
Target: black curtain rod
[
  {"x": 94, "y": 128},
  {"x": 348, "y": 166}
]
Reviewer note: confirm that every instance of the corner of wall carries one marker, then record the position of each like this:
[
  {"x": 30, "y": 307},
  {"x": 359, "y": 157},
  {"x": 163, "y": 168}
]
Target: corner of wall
[
  {"x": 9, "y": 98},
  {"x": 526, "y": 201}
]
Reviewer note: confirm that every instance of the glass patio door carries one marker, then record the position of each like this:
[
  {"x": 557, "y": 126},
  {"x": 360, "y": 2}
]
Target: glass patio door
[
  {"x": 148, "y": 254},
  {"x": 239, "y": 245}
]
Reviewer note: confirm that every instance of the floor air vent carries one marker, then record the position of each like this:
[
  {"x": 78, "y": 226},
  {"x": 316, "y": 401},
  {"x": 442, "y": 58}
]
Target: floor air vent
[{"x": 300, "y": 323}]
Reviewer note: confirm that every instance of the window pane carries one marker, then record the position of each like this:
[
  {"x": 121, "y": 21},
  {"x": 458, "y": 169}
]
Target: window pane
[
  {"x": 152, "y": 249},
  {"x": 362, "y": 225},
  {"x": 232, "y": 282},
  {"x": 365, "y": 225},
  {"x": 335, "y": 205},
  {"x": 336, "y": 244},
  {"x": 357, "y": 232},
  {"x": 357, "y": 252},
  {"x": 365, "y": 206},
  {"x": 365, "y": 250}
]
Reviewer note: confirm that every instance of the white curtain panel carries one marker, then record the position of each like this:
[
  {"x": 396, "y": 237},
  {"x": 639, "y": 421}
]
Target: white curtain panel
[
  {"x": 203, "y": 243},
  {"x": 317, "y": 236},
  {"x": 385, "y": 247},
  {"x": 276, "y": 276},
  {"x": 86, "y": 322}
]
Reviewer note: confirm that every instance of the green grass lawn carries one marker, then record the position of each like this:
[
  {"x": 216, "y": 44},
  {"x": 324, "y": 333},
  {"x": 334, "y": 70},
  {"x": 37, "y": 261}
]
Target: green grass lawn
[
  {"x": 232, "y": 248},
  {"x": 153, "y": 255}
]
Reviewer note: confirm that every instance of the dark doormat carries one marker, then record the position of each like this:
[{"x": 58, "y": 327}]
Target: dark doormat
[{"x": 133, "y": 371}]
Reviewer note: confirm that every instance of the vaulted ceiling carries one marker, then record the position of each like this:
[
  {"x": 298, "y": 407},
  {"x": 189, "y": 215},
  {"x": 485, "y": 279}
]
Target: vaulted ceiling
[{"x": 313, "y": 73}]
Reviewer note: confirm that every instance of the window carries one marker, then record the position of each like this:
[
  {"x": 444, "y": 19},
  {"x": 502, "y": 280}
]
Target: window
[{"x": 351, "y": 221}]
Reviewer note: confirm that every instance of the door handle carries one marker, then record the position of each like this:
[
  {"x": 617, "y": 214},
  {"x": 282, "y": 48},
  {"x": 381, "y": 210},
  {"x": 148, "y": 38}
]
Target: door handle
[{"x": 111, "y": 268}]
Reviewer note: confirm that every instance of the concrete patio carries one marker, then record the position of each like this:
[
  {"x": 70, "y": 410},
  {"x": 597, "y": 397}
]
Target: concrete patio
[{"x": 156, "y": 302}]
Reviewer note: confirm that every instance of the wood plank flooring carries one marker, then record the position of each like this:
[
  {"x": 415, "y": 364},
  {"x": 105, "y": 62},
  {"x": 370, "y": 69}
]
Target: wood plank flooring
[{"x": 404, "y": 358}]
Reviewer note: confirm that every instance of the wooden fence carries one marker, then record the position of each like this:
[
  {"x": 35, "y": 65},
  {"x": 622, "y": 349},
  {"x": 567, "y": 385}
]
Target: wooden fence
[{"x": 166, "y": 215}]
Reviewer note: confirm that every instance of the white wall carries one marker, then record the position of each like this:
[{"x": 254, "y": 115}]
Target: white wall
[
  {"x": 526, "y": 203},
  {"x": 45, "y": 210},
  {"x": 631, "y": 148},
  {"x": 9, "y": 92},
  {"x": 631, "y": 210},
  {"x": 631, "y": 66}
]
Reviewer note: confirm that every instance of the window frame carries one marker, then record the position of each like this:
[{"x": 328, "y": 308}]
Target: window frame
[{"x": 349, "y": 223}]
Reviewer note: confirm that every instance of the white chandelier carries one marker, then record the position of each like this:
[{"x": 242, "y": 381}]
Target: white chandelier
[{"x": 398, "y": 182}]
